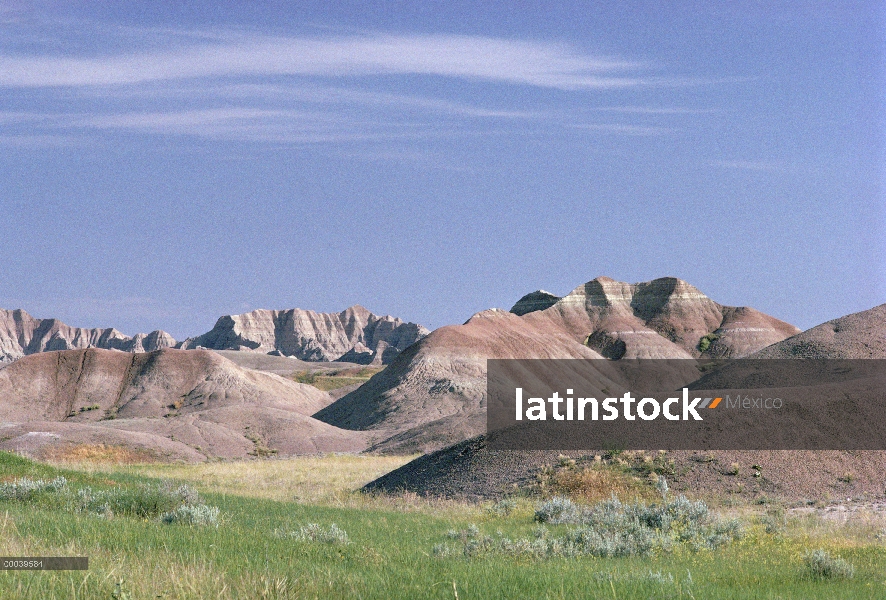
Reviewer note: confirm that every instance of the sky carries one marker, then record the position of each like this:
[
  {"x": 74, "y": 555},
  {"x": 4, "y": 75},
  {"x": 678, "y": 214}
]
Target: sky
[{"x": 163, "y": 164}]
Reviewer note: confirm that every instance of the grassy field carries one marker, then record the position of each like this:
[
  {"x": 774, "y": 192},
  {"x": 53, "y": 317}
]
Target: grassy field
[{"x": 265, "y": 546}]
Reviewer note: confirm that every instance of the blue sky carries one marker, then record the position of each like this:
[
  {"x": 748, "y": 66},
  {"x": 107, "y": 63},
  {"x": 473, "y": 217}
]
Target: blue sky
[{"x": 160, "y": 167}]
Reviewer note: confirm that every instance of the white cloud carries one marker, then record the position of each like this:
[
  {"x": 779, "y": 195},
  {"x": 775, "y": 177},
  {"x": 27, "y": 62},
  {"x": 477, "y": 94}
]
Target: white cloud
[{"x": 481, "y": 58}]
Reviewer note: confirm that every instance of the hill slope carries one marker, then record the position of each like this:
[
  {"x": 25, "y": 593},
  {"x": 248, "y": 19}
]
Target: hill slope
[
  {"x": 859, "y": 335},
  {"x": 204, "y": 403}
]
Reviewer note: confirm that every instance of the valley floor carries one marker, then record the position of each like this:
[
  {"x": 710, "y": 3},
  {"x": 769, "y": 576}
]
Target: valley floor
[{"x": 274, "y": 538}]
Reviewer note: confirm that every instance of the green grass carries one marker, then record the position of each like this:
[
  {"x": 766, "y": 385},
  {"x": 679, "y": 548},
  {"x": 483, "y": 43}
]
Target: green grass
[
  {"x": 389, "y": 553},
  {"x": 336, "y": 378},
  {"x": 705, "y": 342}
]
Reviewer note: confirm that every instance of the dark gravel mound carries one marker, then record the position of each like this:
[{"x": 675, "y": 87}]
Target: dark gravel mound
[
  {"x": 469, "y": 471},
  {"x": 466, "y": 470}
]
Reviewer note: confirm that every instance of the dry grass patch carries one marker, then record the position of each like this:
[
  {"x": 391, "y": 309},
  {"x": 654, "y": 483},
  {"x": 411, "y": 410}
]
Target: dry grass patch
[
  {"x": 597, "y": 484},
  {"x": 96, "y": 453},
  {"x": 594, "y": 480},
  {"x": 325, "y": 479}
]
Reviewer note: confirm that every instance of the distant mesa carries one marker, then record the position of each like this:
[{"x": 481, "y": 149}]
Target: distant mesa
[
  {"x": 434, "y": 393},
  {"x": 354, "y": 335}
]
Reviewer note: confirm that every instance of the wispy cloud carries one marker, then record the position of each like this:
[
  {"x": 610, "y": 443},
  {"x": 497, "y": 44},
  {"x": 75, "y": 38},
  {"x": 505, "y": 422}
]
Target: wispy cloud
[
  {"x": 470, "y": 57},
  {"x": 246, "y": 86}
]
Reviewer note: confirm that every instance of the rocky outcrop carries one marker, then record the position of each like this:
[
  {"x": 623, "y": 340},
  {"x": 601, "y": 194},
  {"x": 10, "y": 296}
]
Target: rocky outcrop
[
  {"x": 663, "y": 318},
  {"x": 533, "y": 301},
  {"x": 353, "y": 335},
  {"x": 21, "y": 335},
  {"x": 189, "y": 404},
  {"x": 434, "y": 394}
]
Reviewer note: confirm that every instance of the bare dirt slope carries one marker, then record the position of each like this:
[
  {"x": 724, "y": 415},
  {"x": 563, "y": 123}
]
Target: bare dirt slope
[
  {"x": 466, "y": 470},
  {"x": 202, "y": 403},
  {"x": 434, "y": 393},
  {"x": 859, "y": 335}
]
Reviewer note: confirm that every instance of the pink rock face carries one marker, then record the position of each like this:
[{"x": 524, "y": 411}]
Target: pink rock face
[
  {"x": 21, "y": 335},
  {"x": 434, "y": 394},
  {"x": 354, "y": 334}
]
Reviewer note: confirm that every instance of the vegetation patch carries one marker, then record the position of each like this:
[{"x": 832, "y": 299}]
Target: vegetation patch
[
  {"x": 589, "y": 480},
  {"x": 266, "y": 545},
  {"x": 142, "y": 501},
  {"x": 192, "y": 514},
  {"x": 608, "y": 529},
  {"x": 313, "y": 532},
  {"x": 821, "y": 565},
  {"x": 706, "y": 340},
  {"x": 334, "y": 379}
]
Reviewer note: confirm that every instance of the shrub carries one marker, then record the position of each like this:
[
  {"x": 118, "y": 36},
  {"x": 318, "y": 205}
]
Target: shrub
[
  {"x": 143, "y": 501},
  {"x": 181, "y": 504},
  {"x": 26, "y": 489},
  {"x": 312, "y": 532},
  {"x": 608, "y": 529},
  {"x": 775, "y": 520},
  {"x": 705, "y": 342},
  {"x": 558, "y": 510},
  {"x": 192, "y": 514},
  {"x": 503, "y": 507},
  {"x": 821, "y": 565}
]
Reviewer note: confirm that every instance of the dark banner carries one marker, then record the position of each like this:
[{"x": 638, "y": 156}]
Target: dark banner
[{"x": 744, "y": 404}]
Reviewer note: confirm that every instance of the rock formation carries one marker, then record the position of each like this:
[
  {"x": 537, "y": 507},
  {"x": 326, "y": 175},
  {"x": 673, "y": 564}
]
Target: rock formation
[
  {"x": 353, "y": 335},
  {"x": 468, "y": 469},
  {"x": 21, "y": 335}
]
